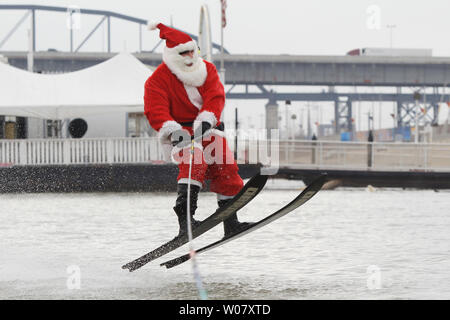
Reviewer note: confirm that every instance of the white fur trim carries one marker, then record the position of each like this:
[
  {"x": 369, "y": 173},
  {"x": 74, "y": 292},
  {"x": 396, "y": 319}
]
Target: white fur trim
[
  {"x": 194, "y": 96},
  {"x": 222, "y": 197},
  {"x": 194, "y": 75},
  {"x": 207, "y": 116},
  {"x": 152, "y": 25},
  {"x": 188, "y": 46},
  {"x": 167, "y": 129},
  {"x": 194, "y": 182},
  {"x": 218, "y": 133}
]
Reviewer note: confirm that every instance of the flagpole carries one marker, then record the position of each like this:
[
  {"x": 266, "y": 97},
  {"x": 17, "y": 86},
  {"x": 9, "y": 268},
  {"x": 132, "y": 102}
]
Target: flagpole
[
  {"x": 222, "y": 62},
  {"x": 221, "y": 48}
]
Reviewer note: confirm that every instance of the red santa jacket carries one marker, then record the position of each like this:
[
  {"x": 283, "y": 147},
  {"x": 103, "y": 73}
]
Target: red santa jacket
[{"x": 169, "y": 102}]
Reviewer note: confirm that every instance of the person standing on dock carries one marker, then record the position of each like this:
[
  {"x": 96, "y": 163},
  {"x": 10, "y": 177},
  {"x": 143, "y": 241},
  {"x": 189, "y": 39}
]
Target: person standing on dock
[{"x": 184, "y": 97}]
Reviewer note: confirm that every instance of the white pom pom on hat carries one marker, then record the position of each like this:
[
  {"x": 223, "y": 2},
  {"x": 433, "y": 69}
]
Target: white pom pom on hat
[
  {"x": 152, "y": 25},
  {"x": 172, "y": 36}
]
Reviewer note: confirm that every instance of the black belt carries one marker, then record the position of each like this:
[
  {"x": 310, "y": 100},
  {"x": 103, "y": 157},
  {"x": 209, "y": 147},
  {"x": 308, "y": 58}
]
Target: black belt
[{"x": 220, "y": 127}]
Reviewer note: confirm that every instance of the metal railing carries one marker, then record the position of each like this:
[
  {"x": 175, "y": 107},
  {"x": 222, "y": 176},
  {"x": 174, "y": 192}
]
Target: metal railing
[
  {"x": 355, "y": 155},
  {"x": 79, "y": 151},
  {"x": 293, "y": 153}
]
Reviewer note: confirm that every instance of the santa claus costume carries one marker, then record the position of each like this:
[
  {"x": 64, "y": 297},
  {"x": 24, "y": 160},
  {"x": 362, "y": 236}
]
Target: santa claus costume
[{"x": 185, "y": 93}]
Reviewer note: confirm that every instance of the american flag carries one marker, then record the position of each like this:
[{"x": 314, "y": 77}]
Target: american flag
[{"x": 224, "y": 8}]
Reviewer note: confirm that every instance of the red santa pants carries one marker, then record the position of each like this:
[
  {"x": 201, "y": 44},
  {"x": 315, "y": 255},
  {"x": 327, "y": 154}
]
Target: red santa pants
[{"x": 212, "y": 160}]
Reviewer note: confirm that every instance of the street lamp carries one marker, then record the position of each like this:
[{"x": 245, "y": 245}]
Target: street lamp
[
  {"x": 417, "y": 98},
  {"x": 287, "y": 103},
  {"x": 292, "y": 134},
  {"x": 391, "y": 27}
]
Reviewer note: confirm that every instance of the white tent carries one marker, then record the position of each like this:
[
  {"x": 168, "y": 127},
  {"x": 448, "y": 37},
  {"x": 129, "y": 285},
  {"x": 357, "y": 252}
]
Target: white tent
[{"x": 114, "y": 85}]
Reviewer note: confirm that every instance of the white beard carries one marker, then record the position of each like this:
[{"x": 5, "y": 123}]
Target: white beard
[{"x": 194, "y": 75}]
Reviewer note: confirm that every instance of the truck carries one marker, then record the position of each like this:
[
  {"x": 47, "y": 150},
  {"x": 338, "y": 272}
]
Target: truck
[{"x": 390, "y": 52}]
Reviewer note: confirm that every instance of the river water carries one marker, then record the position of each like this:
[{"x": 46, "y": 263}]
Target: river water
[{"x": 342, "y": 244}]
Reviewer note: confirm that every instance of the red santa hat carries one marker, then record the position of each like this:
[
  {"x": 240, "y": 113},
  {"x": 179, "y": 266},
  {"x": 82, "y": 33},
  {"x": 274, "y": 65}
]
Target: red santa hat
[
  {"x": 172, "y": 36},
  {"x": 177, "y": 42}
]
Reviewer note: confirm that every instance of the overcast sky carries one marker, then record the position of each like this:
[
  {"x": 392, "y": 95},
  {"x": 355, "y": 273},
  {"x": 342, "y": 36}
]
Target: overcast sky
[
  {"x": 255, "y": 26},
  {"x": 319, "y": 27}
]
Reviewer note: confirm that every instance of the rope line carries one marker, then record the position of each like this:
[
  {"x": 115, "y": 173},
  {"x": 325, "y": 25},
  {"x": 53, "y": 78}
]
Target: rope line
[{"x": 192, "y": 253}]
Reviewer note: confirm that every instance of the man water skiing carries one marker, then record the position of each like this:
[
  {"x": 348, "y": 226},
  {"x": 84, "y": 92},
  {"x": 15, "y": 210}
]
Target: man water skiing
[{"x": 184, "y": 97}]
